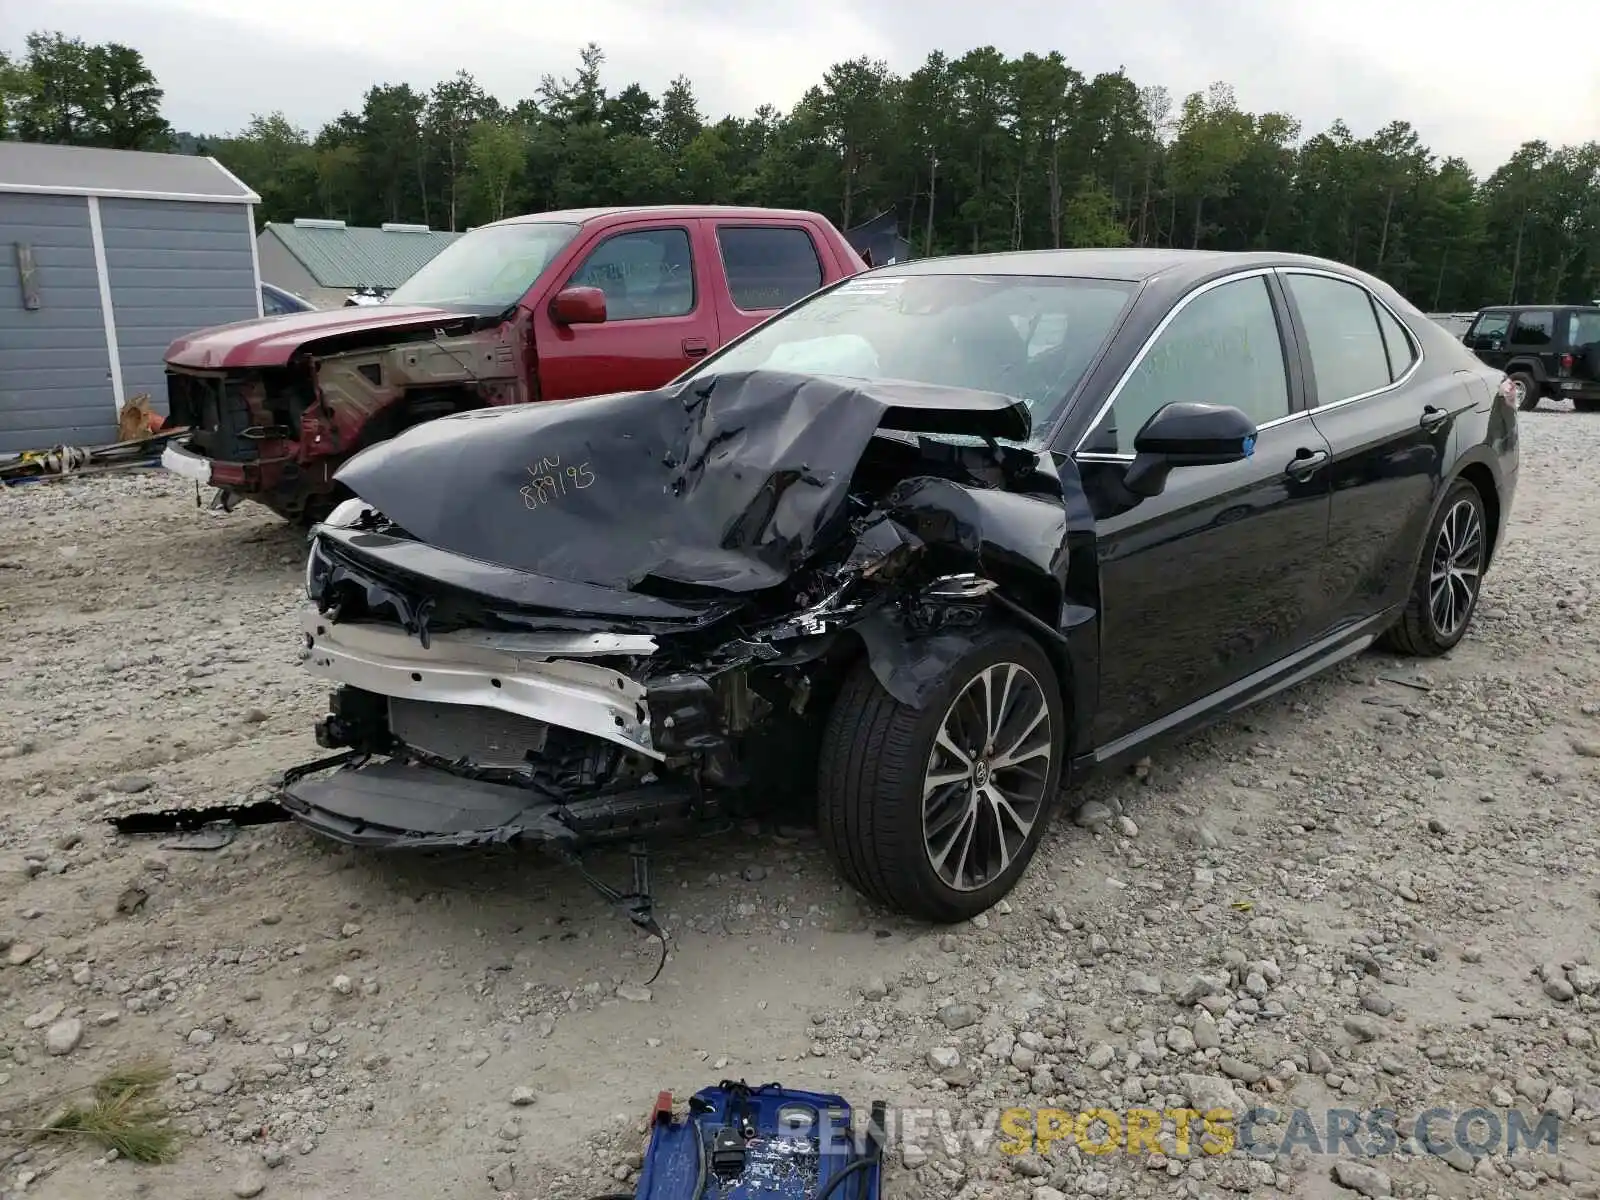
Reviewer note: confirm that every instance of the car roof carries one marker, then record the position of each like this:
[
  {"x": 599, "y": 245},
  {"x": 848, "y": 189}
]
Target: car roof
[
  {"x": 1511, "y": 308},
  {"x": 584, "y": 216},
  {"x": 1131, "y": 265}
]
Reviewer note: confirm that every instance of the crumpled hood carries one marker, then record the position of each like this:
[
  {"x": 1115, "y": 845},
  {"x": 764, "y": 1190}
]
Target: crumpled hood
[
  {"x": 272, "y": 341},
  {"x": 723, "y": 483}
]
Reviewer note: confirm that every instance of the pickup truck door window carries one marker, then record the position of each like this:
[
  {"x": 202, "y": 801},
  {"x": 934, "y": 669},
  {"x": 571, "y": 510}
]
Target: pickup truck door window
[
  {"x": 659, "y": 317},
  {"x": 768, "y": 267},
  {"x": 647, "y": 273}
]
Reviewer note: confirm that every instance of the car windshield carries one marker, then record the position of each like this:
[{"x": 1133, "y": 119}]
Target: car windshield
[
  {"x": 1027, "y": 336},
  {"x": 488, "y": 269}
]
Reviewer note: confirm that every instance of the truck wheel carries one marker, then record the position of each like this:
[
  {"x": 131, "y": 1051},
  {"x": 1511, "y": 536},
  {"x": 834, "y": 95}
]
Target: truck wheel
[
  {"x": 1444, "y": 594},
  {"x": 1586, "y": 405},
  {"x": 936, "y": 812},
  {"x": 1524, "y": 390}
]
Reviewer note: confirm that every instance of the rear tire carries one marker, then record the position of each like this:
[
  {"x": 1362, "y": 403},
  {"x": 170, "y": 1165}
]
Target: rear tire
[
  {"x": 1444, "y": 595},
  {"x": 913, "y": 818},
  {"x": 1586, "y": 405},
  {"x": 1525, "y": 391}
]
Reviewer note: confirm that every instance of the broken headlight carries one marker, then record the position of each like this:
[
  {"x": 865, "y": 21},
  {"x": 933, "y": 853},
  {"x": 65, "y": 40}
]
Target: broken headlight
[
  {"x": 314, "y": 568},
  {"x": 348, "y": 513}
]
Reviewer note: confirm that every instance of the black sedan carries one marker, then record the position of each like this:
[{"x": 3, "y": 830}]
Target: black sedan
[{"x": 920, "y": 551}]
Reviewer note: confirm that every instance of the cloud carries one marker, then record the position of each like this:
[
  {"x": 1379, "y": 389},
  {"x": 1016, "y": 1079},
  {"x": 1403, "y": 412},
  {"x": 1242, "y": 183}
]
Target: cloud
[{"x": 1442, "y": 67}]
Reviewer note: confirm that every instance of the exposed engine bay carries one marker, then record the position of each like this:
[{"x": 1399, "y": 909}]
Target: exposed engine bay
[
  {"x": 596, "y": 619},
  {"x": 278, "y": 434}
]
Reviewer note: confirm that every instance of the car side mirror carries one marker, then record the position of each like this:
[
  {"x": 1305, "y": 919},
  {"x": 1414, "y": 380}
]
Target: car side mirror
[
  {"x": 1187, "y": 435},
  {"x": 579, "y": 306}
]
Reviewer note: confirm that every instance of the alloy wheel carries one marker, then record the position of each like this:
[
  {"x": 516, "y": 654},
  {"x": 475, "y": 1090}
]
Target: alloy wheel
[
  {"x": 984, "y": 787},
  {"x": 1519, "y": 392},
  {"x": 1457, "y": 568}
]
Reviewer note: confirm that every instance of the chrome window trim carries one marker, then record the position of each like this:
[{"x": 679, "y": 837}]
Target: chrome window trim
[
  {"x": 1416, "y": 342},
  {"x": 1155, "y": 334},
  {"x": 1416, "y": 363}
]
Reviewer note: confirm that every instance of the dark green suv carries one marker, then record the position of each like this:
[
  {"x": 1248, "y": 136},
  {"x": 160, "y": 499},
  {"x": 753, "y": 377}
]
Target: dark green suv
[{"x": 1549, "y": 351}]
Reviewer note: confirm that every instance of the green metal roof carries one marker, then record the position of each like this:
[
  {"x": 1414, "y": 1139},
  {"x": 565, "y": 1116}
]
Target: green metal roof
[{"x": 340, "y": 256}]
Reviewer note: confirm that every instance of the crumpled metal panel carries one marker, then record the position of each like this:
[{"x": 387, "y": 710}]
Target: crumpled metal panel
[{"x": 727, "y": 484}]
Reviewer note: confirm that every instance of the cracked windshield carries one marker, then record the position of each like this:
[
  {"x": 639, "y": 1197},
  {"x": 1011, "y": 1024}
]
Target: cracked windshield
[{"x": 1022, "y": 336}]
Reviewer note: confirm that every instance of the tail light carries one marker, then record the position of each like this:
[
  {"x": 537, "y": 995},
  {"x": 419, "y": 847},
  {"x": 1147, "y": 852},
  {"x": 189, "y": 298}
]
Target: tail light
[
  {"x": 1506, "y": 393},
  {"x": 1566, "y": 364}
]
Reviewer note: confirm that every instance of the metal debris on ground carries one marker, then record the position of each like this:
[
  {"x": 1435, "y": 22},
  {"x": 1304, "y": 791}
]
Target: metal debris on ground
[
  {"x": 193, "y": 820},
  {"x": 212, "y": 838},
  {"x": 216, "y": 826},
  {"x": 62, "y": 462},
  {"x": 1414, "y": 684}
]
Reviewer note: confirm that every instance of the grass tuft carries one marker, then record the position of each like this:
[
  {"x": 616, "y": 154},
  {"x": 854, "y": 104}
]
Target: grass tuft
[{"x": 122, "y": 1114}]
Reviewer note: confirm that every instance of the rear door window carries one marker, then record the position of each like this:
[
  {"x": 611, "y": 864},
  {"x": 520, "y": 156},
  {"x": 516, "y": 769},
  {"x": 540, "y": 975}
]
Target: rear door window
[
  {"x": 1348, "y": 356},
  {"x": 644, "y": 273},
  {"x": 768, "y": 266},
  {"x": 1533, "y": 329}
]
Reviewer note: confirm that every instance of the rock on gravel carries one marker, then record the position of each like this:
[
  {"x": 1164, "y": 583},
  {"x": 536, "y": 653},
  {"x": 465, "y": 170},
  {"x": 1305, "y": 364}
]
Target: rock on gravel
[
  {"x": 251, "y": 1183},
  {"x": 63, "y": 1037},
  {"x": 958, "y": 1016},
  {"x": 47, "y": 1015},
  {"x": 1363, "y": 1178}
]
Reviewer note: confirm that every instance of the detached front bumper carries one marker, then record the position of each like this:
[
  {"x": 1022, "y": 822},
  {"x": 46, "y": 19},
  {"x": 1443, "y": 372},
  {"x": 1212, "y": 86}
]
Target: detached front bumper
[
  {"x": 463, "y": 726},
  {"x": 185, "y": 462},
  {"x": 396, "y": 806},
  {"x": 241, "y": 478}
]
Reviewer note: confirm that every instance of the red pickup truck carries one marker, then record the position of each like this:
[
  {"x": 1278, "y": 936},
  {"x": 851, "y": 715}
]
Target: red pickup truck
[{"x": 545, "y": 307}]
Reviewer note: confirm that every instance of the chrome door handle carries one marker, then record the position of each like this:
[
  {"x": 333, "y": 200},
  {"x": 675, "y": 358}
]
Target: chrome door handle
[{"x": 1305, "y": 463}]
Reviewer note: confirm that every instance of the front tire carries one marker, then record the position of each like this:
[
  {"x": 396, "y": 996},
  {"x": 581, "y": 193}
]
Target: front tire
[
  {"x": 936, "y": 812},
  {"x": 1444, "y": 595},
  {"x": 1525, "y": 391}
]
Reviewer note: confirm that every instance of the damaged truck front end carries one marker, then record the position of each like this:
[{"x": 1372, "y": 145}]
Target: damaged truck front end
[
  {"x": 568, "y": 624},
  {"x": 275, "y": 413}
]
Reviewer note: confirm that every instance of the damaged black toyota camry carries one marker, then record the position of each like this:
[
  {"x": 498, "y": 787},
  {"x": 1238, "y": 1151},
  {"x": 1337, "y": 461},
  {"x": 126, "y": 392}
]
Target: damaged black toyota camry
[{"x": 914, "y": 555}]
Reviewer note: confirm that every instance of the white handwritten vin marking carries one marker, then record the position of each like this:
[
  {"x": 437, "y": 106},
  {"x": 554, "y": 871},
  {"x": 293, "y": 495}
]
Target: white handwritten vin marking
[{"x": 551, "y": 481}]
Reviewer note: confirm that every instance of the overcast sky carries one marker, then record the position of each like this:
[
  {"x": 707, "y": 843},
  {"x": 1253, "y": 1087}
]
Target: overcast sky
[{"x": 1444, "y": 65}]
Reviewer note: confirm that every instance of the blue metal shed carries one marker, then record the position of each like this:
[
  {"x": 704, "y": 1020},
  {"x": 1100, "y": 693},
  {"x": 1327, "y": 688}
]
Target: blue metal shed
[{"x": 106, "y": 256}]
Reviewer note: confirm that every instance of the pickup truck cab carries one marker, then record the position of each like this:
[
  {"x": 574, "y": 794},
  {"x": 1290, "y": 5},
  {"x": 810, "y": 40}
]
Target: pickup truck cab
[{"x": 553, "y": 306}]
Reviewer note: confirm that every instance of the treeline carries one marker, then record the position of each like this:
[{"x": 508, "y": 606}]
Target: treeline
[{"x": 981, "y": 152}]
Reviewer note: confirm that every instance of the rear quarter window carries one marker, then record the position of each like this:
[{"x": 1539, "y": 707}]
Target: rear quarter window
[
  {"x": 1583, "y": 329},
  {"x": 768, "y": 267},
  {"x": 1397, "y": 342}
]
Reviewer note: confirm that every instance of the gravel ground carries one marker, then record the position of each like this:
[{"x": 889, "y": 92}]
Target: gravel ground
[{"x": 1377, "y": 891}]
